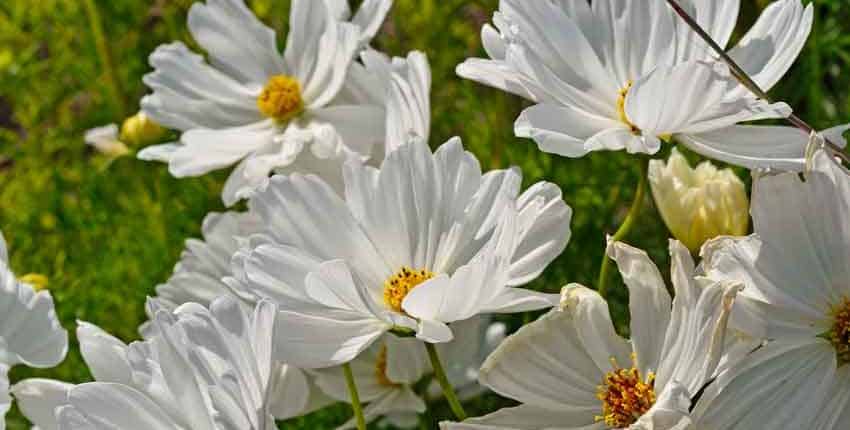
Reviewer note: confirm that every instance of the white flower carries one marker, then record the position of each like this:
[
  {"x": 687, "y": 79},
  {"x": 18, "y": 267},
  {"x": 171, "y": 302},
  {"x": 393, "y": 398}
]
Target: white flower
[
  {"x": 570, "y": 368},
  {"x": 250, "y": 105},
  {"x": 386, "y": 371},
  {"x": 798, "y": 296},
  {"x": 204, "y": 263},
  {"x": 431, "y": 225},
  {"x": 625, "y": 75},
  {"x": 105, "y": 140},
  {"x": 408, "y": 102},
  {"x": 202, "y": 369},
  {"x": 30, "y": 332},
  {"x": 698, "y": 204},
  {"x": 384, "y": 374}
]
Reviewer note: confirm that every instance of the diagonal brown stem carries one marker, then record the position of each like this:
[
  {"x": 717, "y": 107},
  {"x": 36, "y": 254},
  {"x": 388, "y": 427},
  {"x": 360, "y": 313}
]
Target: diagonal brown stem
[{"x": 745, "y": 79}]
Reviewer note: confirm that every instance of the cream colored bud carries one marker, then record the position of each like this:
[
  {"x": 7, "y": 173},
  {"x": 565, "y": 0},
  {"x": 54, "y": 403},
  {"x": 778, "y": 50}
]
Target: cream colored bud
[
  {"x": 698, "y": 204},
  {"x": 140, "y": 129},
  {"x": 105, "y": 140}
]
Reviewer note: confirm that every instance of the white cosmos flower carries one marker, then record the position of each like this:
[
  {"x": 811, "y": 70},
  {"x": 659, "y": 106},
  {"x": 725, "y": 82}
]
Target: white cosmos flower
[
  {"x": 263, "y": 110},
  {"x": 570, "y": 368},
  {"x": 198, "y": 278},
  {"x": 386, "y": 371},
  {"x": 30, "y": 332},
  {"x": 202, "y": 369},
  {"x": 428, "y": 224},
  {"x": 797, "y": 295},
  {"x": 626, "y": 75}
]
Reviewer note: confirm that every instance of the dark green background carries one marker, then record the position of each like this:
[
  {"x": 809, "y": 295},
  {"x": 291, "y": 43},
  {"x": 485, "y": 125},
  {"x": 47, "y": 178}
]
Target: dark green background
[{"x": 106, "y": 234}]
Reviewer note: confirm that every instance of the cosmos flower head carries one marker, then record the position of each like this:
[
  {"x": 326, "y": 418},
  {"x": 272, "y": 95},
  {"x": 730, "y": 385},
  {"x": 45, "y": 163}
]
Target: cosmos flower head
[
  {"x": 623, "y": 75},
  {"x": 251, "y": 106}
]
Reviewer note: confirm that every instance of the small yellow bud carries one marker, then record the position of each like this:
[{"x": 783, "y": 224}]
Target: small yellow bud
[
  {"x": 140, "y": 129},
  {"x": 36, "y": 280},
  {"x": 105, "y": 140},
  {"x": 698, "y": 204}
]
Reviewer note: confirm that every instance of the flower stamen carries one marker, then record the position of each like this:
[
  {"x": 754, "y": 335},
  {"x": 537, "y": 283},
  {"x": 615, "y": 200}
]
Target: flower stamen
[
  {"x": 840, "y": 333},
  {"x": 281, "y": 98},
  {"x": 625, "y": 395},
  {"x": 398, "y": 285},
  {"x": 621, "y": 108}
]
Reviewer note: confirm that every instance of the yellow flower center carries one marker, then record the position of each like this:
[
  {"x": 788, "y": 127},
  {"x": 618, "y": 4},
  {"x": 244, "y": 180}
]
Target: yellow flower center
[
  {"x": 840, "y": 333},
  {"x": 398, "y": 285},
  {"x": 36, "y": 280},
  {"x": 381, "y": 369},
  {"x": 281, "y": 98},
  {"x": 625, "y": 396},
  {"x": 621, "y": 107}
]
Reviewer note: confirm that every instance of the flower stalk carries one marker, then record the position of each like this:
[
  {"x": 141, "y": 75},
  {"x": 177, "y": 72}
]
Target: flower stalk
[
  {"x": 355, "y": 397},
  {"x": 746, "y": 80},
  {"x": 624, "y": 229},
  {"x": 448, "y": 390}
]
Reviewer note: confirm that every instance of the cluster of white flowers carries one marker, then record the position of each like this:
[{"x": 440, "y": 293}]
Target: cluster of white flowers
[{"x": 367, "y": 266}]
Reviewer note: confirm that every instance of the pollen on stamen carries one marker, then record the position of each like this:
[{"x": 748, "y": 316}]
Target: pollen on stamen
[
  {"x": 281, "y": 98},
  {"x": 381, "y": 369},
  {"x": 840, "y": 333},
  {"x": 625, "y": 395},
  {"x": 621, "y": 107},
  {"x": 398, "y": 285}
]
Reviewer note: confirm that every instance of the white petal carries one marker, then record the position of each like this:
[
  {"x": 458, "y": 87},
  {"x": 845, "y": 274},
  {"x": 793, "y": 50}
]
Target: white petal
[
  {"x": 338, "y": 46},
  {"x": 717, "y": 17},
  {"x": 29, "y": 328},
  {"x": 560, "y": 130},
  {"x": 204, "y": 150},
  {"x": 332, "y": 285},
  {"x": 317, "y": 341},
  {"x": 752, "y": 146},
  {"x": 38, "y": 399},
  {"x": 189, "y": 94},
  {"x": 649, "y": 304},
  {"x": 769, "y": 49},
  {"x": 235, "y": 40},
  {"x": 360, "y": 127},
  {"x": 546, "y": 364},
  {"x": 594, "y": 327},
  {"x": 105, "y": 355},
  {"x": 692, "y": 97},
  {"x": 499, "y": 75},
  {"x": 407, "y": 360},
  {"x": 785, "y": 379},
  {"x": 5, "y": 400},
  {"x": 369, "y": 17},
  {"x": 670, "y": 412},
  {"x": 408, "y": 104},
  {"x": 117, "y": 406}
]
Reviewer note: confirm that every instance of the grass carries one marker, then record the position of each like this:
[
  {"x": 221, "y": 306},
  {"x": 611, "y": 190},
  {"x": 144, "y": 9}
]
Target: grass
[{"x": 106, "y": 233}]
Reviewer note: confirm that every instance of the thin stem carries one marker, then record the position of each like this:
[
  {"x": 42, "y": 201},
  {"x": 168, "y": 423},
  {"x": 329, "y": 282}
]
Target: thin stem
[
  {"x": 355, "y": 397},
  {"x": 625, "y": 227},
  {"x": 440, "y": 374},
  {"x": 745, "y": 79},
  {"x": 105, "y": 57}
]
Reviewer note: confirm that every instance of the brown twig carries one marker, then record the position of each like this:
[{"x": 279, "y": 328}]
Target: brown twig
[{"x": 746, "y": 80}]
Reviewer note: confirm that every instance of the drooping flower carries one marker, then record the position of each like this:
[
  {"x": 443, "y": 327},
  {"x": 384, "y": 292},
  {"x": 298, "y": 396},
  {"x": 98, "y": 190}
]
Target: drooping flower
[
  {"x": 422, "y": 229},
  {"x": 797, "y": 296},
  {"x": 570, "y": 369},
  {"x": 627, "y": 75},
  {"x": 387, "y": 370},
  {"x": 30, "y": 332},
  {"x": 308, "y": 109},
  {"x": 202, "y": 369},
  {"x": 698, "y": 204}
]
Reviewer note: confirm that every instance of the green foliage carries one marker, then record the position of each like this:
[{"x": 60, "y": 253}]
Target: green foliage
[{"x": 106, "y": 233}]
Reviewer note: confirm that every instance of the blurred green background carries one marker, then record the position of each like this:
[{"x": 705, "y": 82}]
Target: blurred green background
[{"x": 106, "y": 233}]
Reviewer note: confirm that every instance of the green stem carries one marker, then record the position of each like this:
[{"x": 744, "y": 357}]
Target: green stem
[
  {"x": 625, "y": 227},
  {"x": 440, "y": 374},
  {"x": 105, "y": 57},
  {"x": 355, "y": 397}
]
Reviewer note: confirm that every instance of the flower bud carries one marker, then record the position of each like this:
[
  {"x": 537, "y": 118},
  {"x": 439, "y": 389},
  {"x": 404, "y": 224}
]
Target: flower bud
[
  {"x": 140, "y": 129},
  {"x": 105, "y": 140},
  {"x": 698, "y": 204}
]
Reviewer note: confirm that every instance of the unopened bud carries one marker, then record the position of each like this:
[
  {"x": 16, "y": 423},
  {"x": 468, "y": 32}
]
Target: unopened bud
[{"x": 140, "y": 129}]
